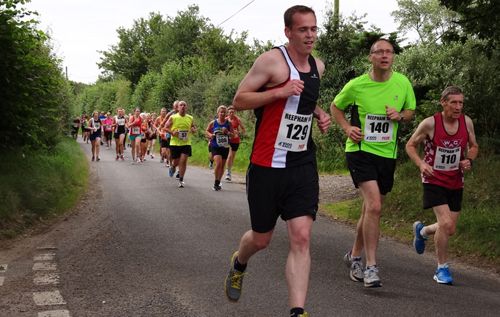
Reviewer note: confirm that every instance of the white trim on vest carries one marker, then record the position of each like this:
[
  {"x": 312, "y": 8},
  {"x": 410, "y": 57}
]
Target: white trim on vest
[{"x": 292, "y": 105}]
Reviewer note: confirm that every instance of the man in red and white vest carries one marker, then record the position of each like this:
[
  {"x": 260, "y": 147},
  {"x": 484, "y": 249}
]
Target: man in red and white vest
[{"x": 450, "y": 147}]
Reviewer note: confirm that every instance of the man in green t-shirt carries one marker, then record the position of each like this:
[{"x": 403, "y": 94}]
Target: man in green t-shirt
[
  {"x": 379, "y": 100},
  {"x": 180, "y": 126}
]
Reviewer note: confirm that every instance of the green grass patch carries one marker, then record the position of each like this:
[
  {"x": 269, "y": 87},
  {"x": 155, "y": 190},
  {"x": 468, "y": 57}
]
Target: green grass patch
[
  {"x": 347, "y": 210},
  {"x": 478, "y": 228},
  {"x": 36, "y": 186},
  {"x": 200, "y": 154}
]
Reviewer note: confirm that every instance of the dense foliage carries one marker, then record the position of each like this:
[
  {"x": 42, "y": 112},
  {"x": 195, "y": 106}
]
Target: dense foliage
[
  {"x": 478, "y": 17},
  {"x": 35, "y": 97},
  {"x": 163, "y": 59}
]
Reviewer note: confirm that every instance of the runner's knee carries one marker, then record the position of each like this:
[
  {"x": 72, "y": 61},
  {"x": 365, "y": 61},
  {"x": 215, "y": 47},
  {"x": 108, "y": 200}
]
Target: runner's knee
[
  {"x": 300, "y": 239},
  {"x": 261, "y": 241},
  {"x": 448, "y": 227}
]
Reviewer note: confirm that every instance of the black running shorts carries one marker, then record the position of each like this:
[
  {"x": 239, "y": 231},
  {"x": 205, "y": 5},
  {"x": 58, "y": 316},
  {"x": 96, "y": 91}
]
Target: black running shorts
[
  {"x": 164, "y": 143},
  {"x": 365, "y": 166},
  {"x": 177, "y": 150},
  {"x": 234, "y": 146},
  {"x": 435, "y": 195},
  {"x": 222, "y": 151},
  {"x": 287, "y": 192}
]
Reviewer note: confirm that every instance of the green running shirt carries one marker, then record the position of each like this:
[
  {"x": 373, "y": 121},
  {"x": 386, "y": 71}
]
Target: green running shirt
[
  {"x": 370, "y": 98},
  {"x": 183, "y": 125}
]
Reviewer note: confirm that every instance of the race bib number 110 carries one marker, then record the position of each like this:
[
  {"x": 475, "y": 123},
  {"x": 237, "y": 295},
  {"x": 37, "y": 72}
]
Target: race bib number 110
[{"x": 447, "y": 159}]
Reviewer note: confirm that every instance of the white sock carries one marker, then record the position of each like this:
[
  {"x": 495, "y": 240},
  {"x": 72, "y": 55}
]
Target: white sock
[
  {"x": 422, "y": 233},
  {"x": 442, "y": 266}
]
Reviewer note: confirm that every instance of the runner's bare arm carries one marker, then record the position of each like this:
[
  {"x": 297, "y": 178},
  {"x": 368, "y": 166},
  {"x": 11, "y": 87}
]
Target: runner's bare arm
[
  {"x": 352, "y": 132},
  {"x": 324, "y": 120},
  {"x": 473, "y": 147},
  {"x": 241, "y": 127},
  {"x": 424, "y": 131},
  {"x": 209, "y": 129},
  {"x": 268, "y": 70},
  {"x": 168, "y": 125}
]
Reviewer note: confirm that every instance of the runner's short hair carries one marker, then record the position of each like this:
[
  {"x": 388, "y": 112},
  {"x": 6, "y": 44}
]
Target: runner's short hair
[
  {"x": 381, "y": 40},
  {"x": 288, "y": 16},
  {"x": 219, "y": 108},
  {"x": 450, "y": 90}
]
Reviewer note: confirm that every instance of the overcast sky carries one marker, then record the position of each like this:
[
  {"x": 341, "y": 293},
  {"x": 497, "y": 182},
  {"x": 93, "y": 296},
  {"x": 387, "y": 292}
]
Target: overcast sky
[{"x": 81, "y": 28}]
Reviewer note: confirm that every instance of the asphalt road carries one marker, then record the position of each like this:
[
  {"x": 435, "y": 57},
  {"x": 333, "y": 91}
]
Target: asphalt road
[{"x": 139, "y": 246}]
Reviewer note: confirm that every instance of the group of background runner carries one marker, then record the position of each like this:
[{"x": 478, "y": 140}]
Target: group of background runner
[{"x": 142, "y": 129}]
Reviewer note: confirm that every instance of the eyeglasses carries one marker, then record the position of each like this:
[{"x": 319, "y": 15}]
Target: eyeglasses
[{"x": 382, "y": 52}]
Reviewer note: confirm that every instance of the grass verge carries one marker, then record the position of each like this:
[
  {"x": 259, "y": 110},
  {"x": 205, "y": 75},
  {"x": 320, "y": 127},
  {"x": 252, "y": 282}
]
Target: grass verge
[
  {"x": 477, "y": 239},
  {"x": 200, "y": 154},
  {"x": 36, "y": 186}
]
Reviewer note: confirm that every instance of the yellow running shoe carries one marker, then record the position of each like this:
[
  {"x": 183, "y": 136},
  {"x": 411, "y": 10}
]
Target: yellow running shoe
[{"x": 234, "y": 281}]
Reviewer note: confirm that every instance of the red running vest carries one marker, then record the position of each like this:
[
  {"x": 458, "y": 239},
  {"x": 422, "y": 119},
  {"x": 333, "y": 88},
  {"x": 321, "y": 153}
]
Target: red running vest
[
  {"x": 283, "y": 129},
  {"x": 444, "y": 152}
]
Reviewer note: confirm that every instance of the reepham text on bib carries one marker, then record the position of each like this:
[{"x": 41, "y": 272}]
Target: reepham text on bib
[
  {"x": 378, "y": 128},
  {"x": 294, "y": 132},
  {"x": 447, "y": 159}
]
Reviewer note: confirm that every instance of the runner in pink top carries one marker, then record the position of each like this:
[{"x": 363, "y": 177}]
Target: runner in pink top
[{"x": 108, "y": 129}]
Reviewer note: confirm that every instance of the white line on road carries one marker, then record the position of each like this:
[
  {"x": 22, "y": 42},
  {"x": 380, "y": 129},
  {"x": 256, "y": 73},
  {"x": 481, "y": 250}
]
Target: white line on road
[
  {"x": 46, "y": 279},
  {"x": 44, "y": 257},
  {"x": 54, "y": 313},
  {"x": 44, "y": 266},
  {"x": 48, "y": 298},
  {"x": 49, "y": 247},
  {"x": 2, "y": 279}
]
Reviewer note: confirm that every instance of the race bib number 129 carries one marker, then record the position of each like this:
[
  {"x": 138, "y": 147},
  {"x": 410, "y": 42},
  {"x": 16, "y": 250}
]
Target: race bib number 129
[{"x": 294, "y": 132}]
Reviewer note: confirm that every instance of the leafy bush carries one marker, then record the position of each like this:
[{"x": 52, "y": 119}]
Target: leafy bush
[
  {"x": 35, "y": 96},
  {"x": 37, "y": 184}
]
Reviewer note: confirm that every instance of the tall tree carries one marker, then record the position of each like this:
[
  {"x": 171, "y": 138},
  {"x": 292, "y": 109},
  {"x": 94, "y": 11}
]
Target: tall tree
[
  {"x": 178, "y": 37},
  {"x": 480, "y": 17},
  {"x": 131, "y": 56},
  {"x": 431, "y": 21}
]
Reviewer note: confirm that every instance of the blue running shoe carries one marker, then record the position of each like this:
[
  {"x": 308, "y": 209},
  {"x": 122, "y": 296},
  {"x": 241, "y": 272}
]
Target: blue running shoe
[
  {"x": 171, "y": 171},
  {"x": 443, "y": 276},
  {"x": 418, "y": 240}
]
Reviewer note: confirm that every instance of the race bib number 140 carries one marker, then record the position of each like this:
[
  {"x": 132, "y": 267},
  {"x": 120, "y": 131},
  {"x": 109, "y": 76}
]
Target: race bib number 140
[{"x": 378, "y": 128}]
